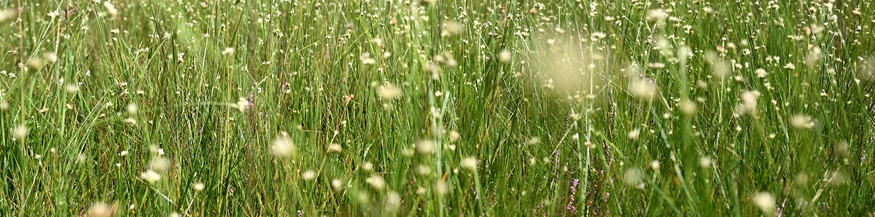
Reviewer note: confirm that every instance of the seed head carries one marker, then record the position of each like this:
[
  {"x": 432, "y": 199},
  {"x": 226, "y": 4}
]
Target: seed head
[
  {"x": 198, "y": 186},
  {"x": 504, "y": 56},
  {"x": 101, "y": 209},
  {"x": 6, "y": 14},
  {"x": 150, "y": 176},
  {"x": 282, "y": 146},
  {"x": 308, "y": 175},
  {"x": 19, "y": 132},
  {"x": 389, "y": 92},
  {"x": 765, "y": 201},
  {"x": 377, "y": 182},
  {"x": 469, "y": 163}
]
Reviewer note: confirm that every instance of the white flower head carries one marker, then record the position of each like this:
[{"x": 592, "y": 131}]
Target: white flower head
[
  {"x": 505, "y": 56},
  {"x": 19, "y": 132},
  {"x": 389, "y": 92},
  {"x": 765, "y": 201},
  {"x": 469, "y": 163},
  {"x": 150, "y": 176},
  {"x": 282, "y": 146},
  {"x": 377, "y": 182}
]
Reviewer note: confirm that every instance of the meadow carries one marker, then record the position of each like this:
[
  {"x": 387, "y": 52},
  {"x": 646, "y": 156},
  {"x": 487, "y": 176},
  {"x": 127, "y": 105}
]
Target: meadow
[{"x": 437, "y": 108}]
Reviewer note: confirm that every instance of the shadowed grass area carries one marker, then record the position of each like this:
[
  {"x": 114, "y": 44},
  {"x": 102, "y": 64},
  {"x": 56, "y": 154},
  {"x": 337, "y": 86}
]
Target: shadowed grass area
[{"x": 436, "y": 108}]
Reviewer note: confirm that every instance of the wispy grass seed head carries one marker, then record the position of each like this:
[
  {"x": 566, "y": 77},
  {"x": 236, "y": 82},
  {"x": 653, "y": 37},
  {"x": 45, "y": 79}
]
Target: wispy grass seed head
[
  {"x": 469, "y": 163},
  {"x": 801, "y": 121},
  {"x": 376, "y": 181},
  {"x": 7, "y": 14},
  {"x": 765, "y": 202},
  {"x": 150, "y": 176},
  {"x": 282, "y": 146},
  {"x": 389, "y": 92},
  {"x": 101, "y": 209},
  {"x": 19, "y": 132}
]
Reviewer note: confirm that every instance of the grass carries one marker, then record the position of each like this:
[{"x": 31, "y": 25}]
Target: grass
[{"x": 439, "y": 108}]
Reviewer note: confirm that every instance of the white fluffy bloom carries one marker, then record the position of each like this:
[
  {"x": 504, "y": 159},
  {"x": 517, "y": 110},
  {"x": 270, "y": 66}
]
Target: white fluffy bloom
[
  {"x": 110, "y": 8},
  {"x": 198, "y": 186},
  {"x": 282, "y": 146},
  {"x": 6, "y": 14},
  {"x": 765, "y": 201},
  {"x": 308, "y": 175},
  {"x": 389, "y": 92},
  {"x": 504, "y": 56},
  {"x": 19, "y": 132},
  {"x": 800, "y": 121},
  {"x": 376, "y": 181},
  {"x": 150, "y": 176},
  {"x": 469, "y": 163}
]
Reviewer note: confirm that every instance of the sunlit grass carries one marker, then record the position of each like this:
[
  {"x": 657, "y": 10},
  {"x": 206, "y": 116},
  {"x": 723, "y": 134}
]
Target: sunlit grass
[{"x": 436, "y": 108}]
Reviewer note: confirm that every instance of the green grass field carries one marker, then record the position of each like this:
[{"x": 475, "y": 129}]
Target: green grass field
[{"x": 437, "y": 108}]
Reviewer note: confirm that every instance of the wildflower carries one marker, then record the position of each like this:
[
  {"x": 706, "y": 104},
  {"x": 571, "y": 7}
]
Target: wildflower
[
  {"x": 813, "y": 57},
  {"x": 335, "y": 148},
  {"x": 131, "y": 108},
  {"x": 376, "y": 181},
  {"x": 308, "y": 175},
  {"x": 367, "y": 166},
  {"x": 35, "y": 63},
  {"x": 71, "y": 88},
  {"x": 571, "y": 207},
  {"x": 469, "y": 163},
  {"x": 800, "y": 121},
  {"x": 595, "y": 36},
  {"x": 705, "y": 162},
  {"x": 242, "y": 104},
  {"x": 130, "y": 121},
  {"x": 19, "y": 132},
  {"x": 454, "y": 136},
  {"x": 719, "y": 67},
  {"x": 634, "y": 177},
  {"x": 687, "y": 107},
  {"x": 282, "y": 146},
  {"x": 441, "y": 187},
  {"x": 150, "y": 176},
  {"x": 656, "y": 15},
  {"x": 423, "y": 170},
  {"x": 533, "y": 141},
  {"x": 228, "y": 51},
  {"x": 761, "y": 73},
  {"x": 366, "y": 59},
  {"x": 451, "y": 28},
  {"x": 389, "y": 92},
  {"x": 765, "y": 201},
  {"x": 154, "y": 149},
  {"x": 748, "y": 102},
  {"x": 654, "y": 164},
  {"x": 159, "y": 164},
  {"x": 633, "y": 134},
  {"x": 336, "y": 184},
  {"x": 50, "y": 57},
  {"x": 642, "y": 88},
  {"x": 110, "y": 8},
  {"x": 425, "y": 147},
  {"x": 101, "y": 209},
  {"x": 198, "y": 186},
  {"x": 504, "y": 56},
  {"x": 393, "y": 201},
  {"x": 6, "y": 14},
  {"x": 4, "y": 105}
]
